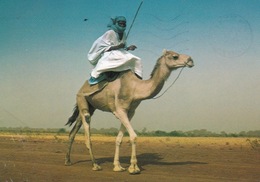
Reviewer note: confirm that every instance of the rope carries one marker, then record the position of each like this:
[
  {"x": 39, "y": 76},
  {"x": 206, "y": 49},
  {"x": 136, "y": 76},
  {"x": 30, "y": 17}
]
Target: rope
[{"x": 170, "y": 85}]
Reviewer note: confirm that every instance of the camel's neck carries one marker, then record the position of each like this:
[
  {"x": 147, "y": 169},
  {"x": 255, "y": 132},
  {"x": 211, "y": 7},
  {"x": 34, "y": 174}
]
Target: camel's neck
[{"x": 155, "y": 84}]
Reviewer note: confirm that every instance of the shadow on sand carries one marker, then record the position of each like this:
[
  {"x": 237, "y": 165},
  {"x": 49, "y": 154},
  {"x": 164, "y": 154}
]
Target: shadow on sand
[{"x": 145, "y": 159}]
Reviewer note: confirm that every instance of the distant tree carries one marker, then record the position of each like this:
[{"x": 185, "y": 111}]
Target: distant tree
[
  {"x": 176, "y": 133},
  {"x": 242, "y": 134},
  {"x": 233, "y": 135},
  {"x": 144, "y": 130},
  {"x": 255, "y": 133},
  {"x": 62, "y": 130},
  {"x": 223, "y": 134},
  {"x": 160, "y": 133}
]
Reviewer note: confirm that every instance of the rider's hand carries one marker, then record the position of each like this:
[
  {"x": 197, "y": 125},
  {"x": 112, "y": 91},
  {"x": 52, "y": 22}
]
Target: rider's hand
[
  {"x": 119, "y": 46},
  {"x": 131, "y": 48}
]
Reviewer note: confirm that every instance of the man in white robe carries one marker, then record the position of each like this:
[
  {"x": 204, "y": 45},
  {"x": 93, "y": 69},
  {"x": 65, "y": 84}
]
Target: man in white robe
[{"x": 110, "y": 54}]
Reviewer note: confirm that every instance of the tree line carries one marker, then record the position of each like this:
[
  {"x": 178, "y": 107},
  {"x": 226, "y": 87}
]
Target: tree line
[{"x": 144, "y": 132}]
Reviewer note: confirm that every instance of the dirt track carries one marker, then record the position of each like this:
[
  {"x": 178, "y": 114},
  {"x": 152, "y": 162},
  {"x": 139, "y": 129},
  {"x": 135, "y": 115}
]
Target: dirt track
[{"x": 41, "y": 158}]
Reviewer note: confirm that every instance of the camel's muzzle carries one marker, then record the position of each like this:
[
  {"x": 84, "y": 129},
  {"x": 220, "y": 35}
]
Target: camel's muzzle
[{"x": 189, "y": 62}]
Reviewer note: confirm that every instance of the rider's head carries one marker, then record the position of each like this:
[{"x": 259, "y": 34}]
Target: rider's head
[{"x": 118, "y": 24}]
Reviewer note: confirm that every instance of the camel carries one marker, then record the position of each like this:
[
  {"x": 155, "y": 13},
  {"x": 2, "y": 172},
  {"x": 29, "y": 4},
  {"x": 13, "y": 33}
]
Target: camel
[{"x": 121, "y": 97}]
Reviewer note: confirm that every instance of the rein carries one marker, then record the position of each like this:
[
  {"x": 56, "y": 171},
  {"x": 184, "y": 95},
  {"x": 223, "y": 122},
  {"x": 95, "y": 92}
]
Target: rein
[{"x": 170, "y": 85}]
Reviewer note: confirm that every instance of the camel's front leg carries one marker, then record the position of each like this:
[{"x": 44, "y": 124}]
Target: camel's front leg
[
  {"x": 133, "y": 169},
  {"x": 117, "y": 165}
]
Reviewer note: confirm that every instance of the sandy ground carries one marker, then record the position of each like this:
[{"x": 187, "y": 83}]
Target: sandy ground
[{"x": 41, "y": 158}]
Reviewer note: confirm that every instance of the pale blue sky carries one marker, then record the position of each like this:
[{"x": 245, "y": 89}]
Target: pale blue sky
[{"x": 43, "y": 61}]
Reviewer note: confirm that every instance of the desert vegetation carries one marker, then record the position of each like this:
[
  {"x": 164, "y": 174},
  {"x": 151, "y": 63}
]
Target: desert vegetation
[{"x": 143, "y": 132}]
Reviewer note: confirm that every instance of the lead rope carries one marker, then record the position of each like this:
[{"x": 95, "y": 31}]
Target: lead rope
[{"x": 170, "y": 85}]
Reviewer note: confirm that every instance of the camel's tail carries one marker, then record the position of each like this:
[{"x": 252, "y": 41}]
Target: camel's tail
[{"x": 74, "y": 116}]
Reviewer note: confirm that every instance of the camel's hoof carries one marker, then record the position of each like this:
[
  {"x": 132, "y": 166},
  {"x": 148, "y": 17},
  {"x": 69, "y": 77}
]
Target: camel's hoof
[
  {"x": 96, "y": 167},
  {"x": 134, "y": 169},
  {"x": 118, "y": 168},
  {"x": 68, "y": 163}
]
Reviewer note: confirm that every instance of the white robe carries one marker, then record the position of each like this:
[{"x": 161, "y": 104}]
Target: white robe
[{"x": 115, "y": 60}]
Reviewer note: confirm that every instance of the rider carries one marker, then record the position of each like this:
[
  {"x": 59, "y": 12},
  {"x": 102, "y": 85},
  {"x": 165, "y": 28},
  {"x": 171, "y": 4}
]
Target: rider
[{"x": 109, "y": 53}]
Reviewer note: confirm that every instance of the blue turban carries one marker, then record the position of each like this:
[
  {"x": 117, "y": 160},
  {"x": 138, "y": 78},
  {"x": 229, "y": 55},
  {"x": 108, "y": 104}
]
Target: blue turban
[{"x": 113, "y": 24}]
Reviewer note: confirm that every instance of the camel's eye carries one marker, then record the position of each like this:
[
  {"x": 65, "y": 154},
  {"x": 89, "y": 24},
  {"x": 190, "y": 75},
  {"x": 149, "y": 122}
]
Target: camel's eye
[{"x": 175, "y": 57}]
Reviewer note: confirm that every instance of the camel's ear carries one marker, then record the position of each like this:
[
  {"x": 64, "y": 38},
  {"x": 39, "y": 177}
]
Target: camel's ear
[{"x": 164, "y": 51}]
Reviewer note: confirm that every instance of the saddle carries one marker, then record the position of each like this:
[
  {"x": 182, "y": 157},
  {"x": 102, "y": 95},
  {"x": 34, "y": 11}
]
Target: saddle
[{"x": 94, "y": 85}]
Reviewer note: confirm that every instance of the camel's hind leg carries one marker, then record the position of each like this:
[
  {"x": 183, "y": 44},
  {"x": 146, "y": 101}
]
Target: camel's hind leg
[
  {"x": 85, "y": 115},
  {"x": 73, "y": 133}
]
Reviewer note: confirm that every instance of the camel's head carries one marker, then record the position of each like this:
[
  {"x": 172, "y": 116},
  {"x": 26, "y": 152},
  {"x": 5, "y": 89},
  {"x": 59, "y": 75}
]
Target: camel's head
[{"x": 174, "y": 60}]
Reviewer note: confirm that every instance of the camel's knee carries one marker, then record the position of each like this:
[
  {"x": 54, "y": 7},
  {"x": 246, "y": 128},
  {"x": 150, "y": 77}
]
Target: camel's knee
[
  {"x": 133, "y": 138},
  {"x": 83, "y": 108},
  {"x": 118, "y": 142},
  {"x": 119, "y": 138},
  {"x": 85, "y": 115},
  {"x": 88, "y": 144}
]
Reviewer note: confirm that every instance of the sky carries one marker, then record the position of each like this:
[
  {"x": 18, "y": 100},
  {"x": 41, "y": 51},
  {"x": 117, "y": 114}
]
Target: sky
[{"x": 43, "y": 61}]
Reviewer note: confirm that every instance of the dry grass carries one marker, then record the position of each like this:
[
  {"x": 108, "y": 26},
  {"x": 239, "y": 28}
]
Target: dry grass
[{"x": 169, "y": 141}]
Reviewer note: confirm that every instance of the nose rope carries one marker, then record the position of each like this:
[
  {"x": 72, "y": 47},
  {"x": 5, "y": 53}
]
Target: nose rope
[{"x": 171, "y": 83}]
